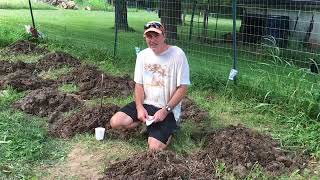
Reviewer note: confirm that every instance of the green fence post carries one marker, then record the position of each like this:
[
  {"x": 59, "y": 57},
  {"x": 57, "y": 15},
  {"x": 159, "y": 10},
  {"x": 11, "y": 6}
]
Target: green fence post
[
  {"x": 30, "y": 7},
  {"x": 235, "y": 50}
]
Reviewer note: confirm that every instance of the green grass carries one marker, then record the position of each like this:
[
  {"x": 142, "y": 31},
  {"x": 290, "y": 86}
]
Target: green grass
[
  {"x": 37, "y": 5},
  {"x": 24, "y": 143},
  {"x": 23, "y": 4},
  {"x": 69, "y": 88},
  {"x": 54, "y": 74},
  {"x": 270, "y": 97},
  {"x": 7, "y": 97}
]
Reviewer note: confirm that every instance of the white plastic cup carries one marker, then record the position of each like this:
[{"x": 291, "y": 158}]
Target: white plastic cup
[{"x": 99, "y": 132}]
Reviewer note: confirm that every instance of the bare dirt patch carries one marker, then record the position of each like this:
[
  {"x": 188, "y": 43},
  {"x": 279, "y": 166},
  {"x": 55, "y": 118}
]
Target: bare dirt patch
[
  {"x": 87, "y": 160},
  {"x": 80, "y": 164},
  {"x": 57, "y": 60},
  {"x": 22, "y": 80},
  {"x": 43, "y": 102},
  {"x": 85, "y": 120},
  {"x": 241, "y": 148},
  {"x": 26, "y": 47},
  {"x": 190, "y": 111},
  {"x": 89, "y": 80},
  {"x": 155, "y": 165}
]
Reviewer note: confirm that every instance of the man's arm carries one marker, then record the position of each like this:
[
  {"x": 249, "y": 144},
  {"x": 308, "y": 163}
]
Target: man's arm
[
  {"x": 178, "y": 95},
  {"x": 139, "y": 98},
  {"x": 181, "y": 91}
]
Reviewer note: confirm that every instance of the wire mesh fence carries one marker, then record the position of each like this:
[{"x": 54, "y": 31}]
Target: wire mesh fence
[{"x": 277, "y": 42}]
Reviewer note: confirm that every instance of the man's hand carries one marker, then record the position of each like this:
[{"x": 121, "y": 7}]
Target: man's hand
[
  {"x": 142, "y": 114},
  {"x": 160, "y": 115}
]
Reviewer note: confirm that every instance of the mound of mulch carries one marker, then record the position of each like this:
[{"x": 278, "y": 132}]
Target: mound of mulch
[
  {"x": 190, "y": 111},
  {"x": 90, "y": 83},
  {"x": 22, "y": 80},
  {"x": 57, "y": 60},
  {"x": 156, "y": 165},
  {"x": 241, "y": 149},
  {"x": 43, "y": 102},
  {"x": 7, "y": 67},
  {"x": 26, "y": 47},
  {"x": 84, "y": 120}
]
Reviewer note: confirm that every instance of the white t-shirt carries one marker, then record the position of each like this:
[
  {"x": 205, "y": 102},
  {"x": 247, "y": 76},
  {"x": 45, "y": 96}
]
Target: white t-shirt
[{"x": 161, "y": 74}]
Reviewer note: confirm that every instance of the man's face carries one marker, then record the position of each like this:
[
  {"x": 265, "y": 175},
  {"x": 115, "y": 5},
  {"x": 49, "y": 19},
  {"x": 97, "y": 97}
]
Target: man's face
[{"x": 154, "y": 40}]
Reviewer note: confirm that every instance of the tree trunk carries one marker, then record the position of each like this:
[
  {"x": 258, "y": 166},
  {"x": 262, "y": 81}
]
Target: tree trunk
[
  {"x": 121, "y": 15},
  {"x": 170, "y": 14},
  {"x": 205, "y": 24},
  {"x": 192, "y": 17}
]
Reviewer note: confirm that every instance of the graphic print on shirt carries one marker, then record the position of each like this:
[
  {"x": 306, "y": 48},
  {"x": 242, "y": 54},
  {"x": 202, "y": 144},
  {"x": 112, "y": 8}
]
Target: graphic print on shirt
[{"x": 158, "y": 74}]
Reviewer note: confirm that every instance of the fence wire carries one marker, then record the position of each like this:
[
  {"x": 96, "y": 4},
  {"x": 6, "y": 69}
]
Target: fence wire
[{"x": 278, "y": 42}]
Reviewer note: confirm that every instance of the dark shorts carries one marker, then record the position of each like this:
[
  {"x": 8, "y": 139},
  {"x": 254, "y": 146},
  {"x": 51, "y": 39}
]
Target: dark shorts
[{"x": 160, "y": 130}]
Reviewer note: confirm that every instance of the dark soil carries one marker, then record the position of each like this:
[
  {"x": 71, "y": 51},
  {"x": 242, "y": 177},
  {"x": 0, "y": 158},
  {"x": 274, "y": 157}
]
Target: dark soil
[
  {"x": 7, "y": 67},
  {"x": 26, "y": 47},
  {"x": 43, "y": 102},
  {"x": 85, "y": 120},
  {"x": 190, "y": 111},
  {"x": 25, "y": 80},
  {"x": 2, "y": 85},
  {"x": 156, "y": 165},
  {"x": 57, "y": 60},
  {"x": 89, "y": 79},
  {"x": 241, "y": 148}
]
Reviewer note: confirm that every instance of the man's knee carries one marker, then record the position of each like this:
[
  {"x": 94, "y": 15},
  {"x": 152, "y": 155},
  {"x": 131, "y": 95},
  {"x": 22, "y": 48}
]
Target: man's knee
[
  {"x": 156, "y": 145},
  {"x": 120, "y": 120},
  {"x": 115, "y": 121}
]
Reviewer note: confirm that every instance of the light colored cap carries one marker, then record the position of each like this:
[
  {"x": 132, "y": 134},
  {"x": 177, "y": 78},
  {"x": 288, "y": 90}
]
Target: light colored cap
[{"x": 154, "y": 26}]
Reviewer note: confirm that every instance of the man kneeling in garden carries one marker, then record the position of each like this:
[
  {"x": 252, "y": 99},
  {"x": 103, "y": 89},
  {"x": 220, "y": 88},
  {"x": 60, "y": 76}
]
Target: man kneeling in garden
[{"x": 162, "y": 78}]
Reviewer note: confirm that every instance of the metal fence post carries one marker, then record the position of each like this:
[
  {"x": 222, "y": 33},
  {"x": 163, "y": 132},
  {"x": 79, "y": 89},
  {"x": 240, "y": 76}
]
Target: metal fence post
[
  {"x": 30, "y": 7},
  {"x": 235, "y": 50}
]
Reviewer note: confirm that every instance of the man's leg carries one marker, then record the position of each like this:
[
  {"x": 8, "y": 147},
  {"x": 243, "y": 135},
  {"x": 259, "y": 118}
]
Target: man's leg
[
  {"x": 160, "y": 133},
  {"x": 156, "y": 145},
  {"x": 122, "y": 121}
]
